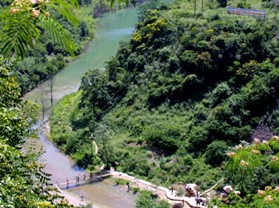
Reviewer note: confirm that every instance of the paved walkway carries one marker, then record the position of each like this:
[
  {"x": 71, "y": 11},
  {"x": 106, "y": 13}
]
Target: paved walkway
[{"x": 162, "y": 192}]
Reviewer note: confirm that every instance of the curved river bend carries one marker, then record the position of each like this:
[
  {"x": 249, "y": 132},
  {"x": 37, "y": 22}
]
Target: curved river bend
[{"x": 113, "y": 28}]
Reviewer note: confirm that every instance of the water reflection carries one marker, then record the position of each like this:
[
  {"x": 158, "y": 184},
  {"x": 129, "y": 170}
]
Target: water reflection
[{"x": 57, "y": 163}]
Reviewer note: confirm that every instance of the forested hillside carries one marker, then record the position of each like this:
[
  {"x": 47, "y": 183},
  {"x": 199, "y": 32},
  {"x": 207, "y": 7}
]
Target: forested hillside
[{"x": 185, "y": 89}]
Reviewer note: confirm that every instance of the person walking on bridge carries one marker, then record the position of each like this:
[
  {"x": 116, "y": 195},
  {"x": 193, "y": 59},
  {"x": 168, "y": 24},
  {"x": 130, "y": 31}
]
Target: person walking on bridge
[{"x": 77, "y": 180}]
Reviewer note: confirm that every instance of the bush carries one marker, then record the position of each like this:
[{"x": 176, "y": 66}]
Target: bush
[{"x": 215, "y": 153}]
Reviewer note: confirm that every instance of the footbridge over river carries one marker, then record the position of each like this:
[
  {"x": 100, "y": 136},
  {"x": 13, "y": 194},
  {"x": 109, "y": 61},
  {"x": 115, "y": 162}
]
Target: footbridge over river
[{"x": 81, "y": 179}]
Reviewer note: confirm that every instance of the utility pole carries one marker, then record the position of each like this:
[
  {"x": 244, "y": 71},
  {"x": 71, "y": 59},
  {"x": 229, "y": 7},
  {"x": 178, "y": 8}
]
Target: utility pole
[{"x": 51, "y": 84}]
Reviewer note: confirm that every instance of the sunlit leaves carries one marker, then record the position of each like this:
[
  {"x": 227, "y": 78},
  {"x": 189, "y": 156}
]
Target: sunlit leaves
[
  {"x": 246, "y": 159},
  {"x": 18, "y": 35},
  {"x": 12, "y": 125},
  {"x": 58, "y": 34},
  {"x": 65, "y": 9},
  {"x": 23, "y": 22},
  {"x": 267, "y": 198}
]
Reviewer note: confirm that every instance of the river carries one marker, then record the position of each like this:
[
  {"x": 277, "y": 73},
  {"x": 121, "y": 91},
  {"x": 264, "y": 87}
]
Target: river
[{"x": 113, "y": 28}]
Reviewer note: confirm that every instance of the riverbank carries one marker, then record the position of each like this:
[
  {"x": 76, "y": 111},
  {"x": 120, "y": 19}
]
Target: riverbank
[
  {"x": 72, "y": 199},
  {"x": 85, "y": 179}
]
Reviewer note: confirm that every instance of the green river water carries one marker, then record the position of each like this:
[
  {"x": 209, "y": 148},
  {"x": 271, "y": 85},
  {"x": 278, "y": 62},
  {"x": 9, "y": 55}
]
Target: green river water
[{"x": 113, "y": 28}]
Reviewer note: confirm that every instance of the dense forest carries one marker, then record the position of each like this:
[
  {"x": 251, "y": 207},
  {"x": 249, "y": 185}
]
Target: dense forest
[{"x": 193, "y": 82}]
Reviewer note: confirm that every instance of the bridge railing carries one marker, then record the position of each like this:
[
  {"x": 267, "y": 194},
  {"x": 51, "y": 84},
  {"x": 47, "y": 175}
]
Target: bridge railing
[
  {"x": 247, "y": 12},
  {"x": 81, "y": 179}
]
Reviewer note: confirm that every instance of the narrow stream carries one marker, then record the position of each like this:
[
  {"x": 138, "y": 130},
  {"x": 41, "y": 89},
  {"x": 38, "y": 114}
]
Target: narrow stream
[{"x": 113, "y": 28}]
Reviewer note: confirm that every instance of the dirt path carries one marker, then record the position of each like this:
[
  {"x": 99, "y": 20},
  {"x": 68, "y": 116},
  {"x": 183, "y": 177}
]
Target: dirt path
[{"x": 96, "y": 147}]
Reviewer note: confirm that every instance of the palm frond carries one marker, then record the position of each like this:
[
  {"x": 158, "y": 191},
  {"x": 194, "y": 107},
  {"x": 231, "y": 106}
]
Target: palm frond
[
  {"x": 58, "y": 33},
  {"x": 21, "y": 28},
  {"x": 18, "y": 34},
  {"x": 65, "y": 9}
]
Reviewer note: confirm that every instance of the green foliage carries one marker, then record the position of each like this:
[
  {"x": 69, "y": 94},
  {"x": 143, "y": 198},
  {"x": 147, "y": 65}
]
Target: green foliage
[
  {"x": 18, "y": 35},
  {"x": 22, "y": 22},
  {"x": 135, "y": 189},
  {"x": 12, "y": 120},
  {"x": 59, "y": 34},
  {"x": 214, "y": 152},
  {"x": 147, "y": 200},
  {"x": 119, "y": 3},
  {"x": 96, "y": 83},
  {"x": 222, "y": 3},
  {"x": 23, "y": 181},
  {"x": 163, "y": 136},
  {"x": 48, "y": 35},
  {"x": 77, "y": 143},
  {"x": 120, "y": 181},
  {"x": 180, "y": 92},
  {"x": 253, "y": 169},
  {"x": 247, "y": 164},
  {"x": 264, "y": 198},
  {"x": 61, "y": 128}
]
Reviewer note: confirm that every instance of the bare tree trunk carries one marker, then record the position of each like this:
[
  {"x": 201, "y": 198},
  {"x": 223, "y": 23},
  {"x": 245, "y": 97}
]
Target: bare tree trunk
[
  {"x": 42, "y": 102},
  {"x": 51, "y": 84}
]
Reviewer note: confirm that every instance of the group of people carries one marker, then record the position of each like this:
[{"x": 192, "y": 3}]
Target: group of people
[{"x": 78, "y": 179}]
